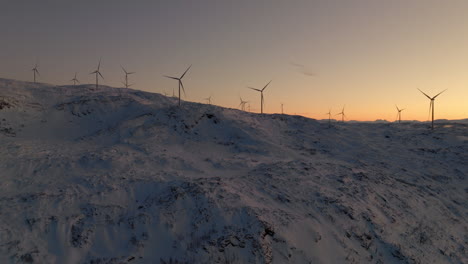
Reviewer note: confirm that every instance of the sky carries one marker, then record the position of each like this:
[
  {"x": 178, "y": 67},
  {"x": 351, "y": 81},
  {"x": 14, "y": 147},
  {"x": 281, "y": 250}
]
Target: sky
[{"x": 366, "y": 55}]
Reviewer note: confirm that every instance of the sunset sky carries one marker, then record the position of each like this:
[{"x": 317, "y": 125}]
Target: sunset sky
[{"x": 366, "y": 54}]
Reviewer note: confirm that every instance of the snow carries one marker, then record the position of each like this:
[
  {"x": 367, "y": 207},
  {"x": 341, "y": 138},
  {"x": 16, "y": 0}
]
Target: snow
[{"x": 123, "y": 176}]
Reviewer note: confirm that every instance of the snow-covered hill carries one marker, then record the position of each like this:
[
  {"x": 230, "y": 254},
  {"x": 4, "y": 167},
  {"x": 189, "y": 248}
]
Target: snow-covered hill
[{"x": 124, "y": 176}]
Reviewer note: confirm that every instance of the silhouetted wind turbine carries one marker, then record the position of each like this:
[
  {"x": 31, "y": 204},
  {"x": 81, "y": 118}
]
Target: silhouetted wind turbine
[
  {"x": 242, "y": 103},
  {"x": 399, "y": 113},
  {"x": 329, "y": 117},
  {"x": 35, "y": 71},
  {"x": 342, "y": 114},
  {"x": 126, "y": 77},
  {"x": 75, "y": 80},
  {"x": 261, "y": 93},
  {"x": 180, "y": 81},
  {"x": 208, "y": 99},
  {"x": 431, "y": 105},
  {"x": 282, "y": 112},
  {"x": 97, "y": 72}
]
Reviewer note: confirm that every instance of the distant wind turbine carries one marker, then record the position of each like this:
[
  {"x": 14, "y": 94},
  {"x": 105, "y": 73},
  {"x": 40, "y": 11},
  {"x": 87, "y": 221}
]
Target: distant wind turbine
[
  {"x": 35, "y": 71},
  {"x": 242, "y": 104},
  {"x": 431, "y": 105},
  {"x": 126, "y": 77},
  {"x": 75, "y": 80},
  {"x": 342, "y": 114},
  {"x": 261, "y": 95},
  {"x": 98, "y": 73},
  {"x": 180, "y": 81},
  {"x": 329, "y": 117},
  {"x": 399, "y": 113},
  {"x": 208, "y": 99},
  {"x": 282, "y": 112}
]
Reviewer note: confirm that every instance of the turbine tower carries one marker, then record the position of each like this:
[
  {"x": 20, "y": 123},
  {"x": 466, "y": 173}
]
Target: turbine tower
[
  {"x": 180, "y": 81},
  {"x": 126, "y": 77},
  {"x": 98, "y": 73},
  {"x": 282, "y": 112},
  {"x": 35, "y": 71},
  {"x": 342, "y": 114},
  {"x": 399, "y": 113},
  {"x": 261, "y": 95},
  {"x": 75, "y": 80},
  {"x": 431, "y": 105}
]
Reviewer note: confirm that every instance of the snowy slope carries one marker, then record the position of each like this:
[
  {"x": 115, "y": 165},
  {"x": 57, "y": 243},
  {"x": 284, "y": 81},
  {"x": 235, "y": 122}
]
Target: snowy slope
[{"x": 124, "y": 176}]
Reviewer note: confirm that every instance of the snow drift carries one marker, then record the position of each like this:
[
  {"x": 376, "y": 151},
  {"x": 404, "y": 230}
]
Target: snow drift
[{"x": 124, "y": 176}]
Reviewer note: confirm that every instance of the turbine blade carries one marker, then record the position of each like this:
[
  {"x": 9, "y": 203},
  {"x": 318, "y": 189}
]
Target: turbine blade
[
  {"x": 266, "y": 85},
  {"x": 430, "y": 107},
  {"x": 183, "y": 89},
  {"x": 185, "y": 72},
  {"x": 425, "y": 94},
  {"x": 397, "y": 108},
  {"x": 170, "y": 77},
  {"x": 439, "y": 94},
  {"x": 123, "y": 69},
  {"x": 101, "y": 75},
  {"x": 258, "y": 90},
  {"x": 131, "y": 73}
]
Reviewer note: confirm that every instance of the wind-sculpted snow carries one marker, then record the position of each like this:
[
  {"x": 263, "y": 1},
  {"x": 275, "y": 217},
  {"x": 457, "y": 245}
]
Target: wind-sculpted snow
[{"x": 123, "y": 176}]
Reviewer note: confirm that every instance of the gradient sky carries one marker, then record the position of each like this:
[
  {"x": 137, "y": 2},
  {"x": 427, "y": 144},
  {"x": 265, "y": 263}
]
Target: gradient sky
[{"x": 366, "y": 54}]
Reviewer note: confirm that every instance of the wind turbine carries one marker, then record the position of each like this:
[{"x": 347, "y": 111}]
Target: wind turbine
[
  {"x": 261, "y": 97},
  {"x": 242, "y": 104},
  {"x": 126, "y": 77},
  {"x": 282, "y": 108},
  {"x": 75, "y": 80},
  {"x": 97, "y": 72},
  {"x": 329, "y": 117},
  {"x": 399, "y": 113},
  {"x": 431, "y": 105},
  {"x": 35, "y": 71},
  {"x": 342, "y": 114},
  {"x": 180, "y": 81},
  {"x": 208, "y": 99}
]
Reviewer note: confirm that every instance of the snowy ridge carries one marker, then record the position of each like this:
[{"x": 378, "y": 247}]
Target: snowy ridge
[{"x": 124, "y": 176}]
